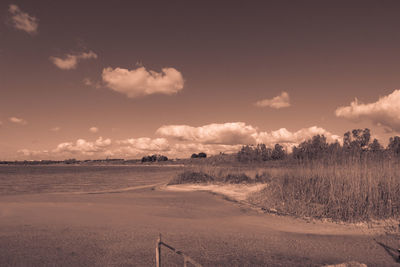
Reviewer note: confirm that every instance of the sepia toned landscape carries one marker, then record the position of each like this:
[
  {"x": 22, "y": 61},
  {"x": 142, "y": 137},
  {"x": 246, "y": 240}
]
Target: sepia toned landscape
[{"x": 183, "y": 133}]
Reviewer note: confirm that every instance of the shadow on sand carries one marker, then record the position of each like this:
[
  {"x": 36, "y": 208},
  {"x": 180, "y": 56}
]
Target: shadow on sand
[{"x": 394, "y": 253}]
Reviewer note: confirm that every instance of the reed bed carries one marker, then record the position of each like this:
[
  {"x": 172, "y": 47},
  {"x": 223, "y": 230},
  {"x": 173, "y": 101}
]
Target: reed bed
[
  {"x": 352, "y": 189},
  {"x": 355, "y": 190}
]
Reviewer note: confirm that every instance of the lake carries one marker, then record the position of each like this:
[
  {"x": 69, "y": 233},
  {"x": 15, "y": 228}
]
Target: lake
[{"x": 26, "y": 179}]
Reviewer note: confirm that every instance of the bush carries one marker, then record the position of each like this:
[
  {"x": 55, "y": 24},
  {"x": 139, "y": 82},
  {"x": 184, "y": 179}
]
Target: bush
[
  {"x": 238, "y": 178},
  {"x": 264, "y": 177},
  {"x": 154, "y": 158},
  {"x": 191, "y": 177},
  {"x": 200, "y": 155}
]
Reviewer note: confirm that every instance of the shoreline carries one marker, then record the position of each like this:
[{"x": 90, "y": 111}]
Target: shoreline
[{"x": 121, "y": 229}]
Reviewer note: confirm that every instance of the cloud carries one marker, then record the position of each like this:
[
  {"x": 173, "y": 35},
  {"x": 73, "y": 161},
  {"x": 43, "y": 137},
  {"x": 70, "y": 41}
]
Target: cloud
[
  {"x": 103, "y": 147},
  {"x": 18, "y": 120},
  {"x": 32, "y": 153},
  {"x": 385, "y": 111},
  {"x": 184, "y": 140},
  {"x": 280, "y": 101},
  {"x": 55, "y": 129},
  {"x": 93, "y": 129},
  {"x": 288, "y": 139},
  {"x": 141, "y": 82},
  {"x": 22, "y": 20},
  {"x": 238, "y": 133},
  {"x": 146, "y": 144},
  {"x": 89, "y": 82},
  {"x": 226, "y": 133},
  {"x": 187, "y": 149},
  {"x": 71, "y": 60},
  {"x": 81, "y": 146}
]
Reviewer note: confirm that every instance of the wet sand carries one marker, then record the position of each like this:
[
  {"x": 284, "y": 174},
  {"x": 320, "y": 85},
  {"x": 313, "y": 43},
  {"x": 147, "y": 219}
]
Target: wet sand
[{"x": 121, "y": 228}]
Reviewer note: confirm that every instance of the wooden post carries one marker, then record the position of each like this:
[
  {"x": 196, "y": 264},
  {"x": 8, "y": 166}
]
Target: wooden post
[{"x": 158, "y": 252}]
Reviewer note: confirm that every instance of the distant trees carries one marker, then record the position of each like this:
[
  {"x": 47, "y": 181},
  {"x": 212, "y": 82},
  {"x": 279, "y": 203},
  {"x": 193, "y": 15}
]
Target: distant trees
[
  {"x": 356, "y": 140},
  {"x": 154, "y": 158},
  {"x": 260, "y": 153},
  {"x": 394, "y": 145},
  {"x": 278, "y": 152},
  {"x": 200, "y": 155},
  {"x": 356, "y": 145}
]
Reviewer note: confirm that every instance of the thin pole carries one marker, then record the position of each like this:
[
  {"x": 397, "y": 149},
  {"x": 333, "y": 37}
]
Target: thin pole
[{"x": 158, "y": 252}]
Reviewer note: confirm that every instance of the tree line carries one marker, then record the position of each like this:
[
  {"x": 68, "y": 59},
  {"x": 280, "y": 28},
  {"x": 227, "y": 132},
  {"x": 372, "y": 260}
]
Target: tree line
[{"x": 356, "y": 144}]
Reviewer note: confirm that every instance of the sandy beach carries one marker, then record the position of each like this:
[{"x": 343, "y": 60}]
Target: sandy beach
[{"x": 121, "y": 228}]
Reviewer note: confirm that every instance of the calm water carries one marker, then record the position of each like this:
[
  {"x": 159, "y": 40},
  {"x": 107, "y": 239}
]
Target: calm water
[{"x": 66, "y": 178}]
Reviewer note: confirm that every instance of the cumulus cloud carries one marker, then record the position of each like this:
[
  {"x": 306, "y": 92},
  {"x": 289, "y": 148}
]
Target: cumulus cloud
[
  {"x": 146, "y": 144},
  {"x": 226, "y": 133},
  {"x": 141, "y": 82},
  {"x": 288, "y": 138},
  {"x": 32, "y": 153},
  {"x": 238, "y": 133},
  {"x": 182, "y": 141},
  {"x": 81, "y": 146},
  {"x": 70, "y": 61},
  {"x": 186, "y": 149},
  {"x": 280, "y": 101},
  {"x": 93, "y": 129},
  {"x": 22, "y": 20},
  {"x": 18, "y": 120},
  {"x": 385, "y": 111}
]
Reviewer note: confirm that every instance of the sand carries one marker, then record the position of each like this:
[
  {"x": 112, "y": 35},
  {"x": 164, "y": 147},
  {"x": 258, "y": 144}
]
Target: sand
[{"x": 121, "y": 228}]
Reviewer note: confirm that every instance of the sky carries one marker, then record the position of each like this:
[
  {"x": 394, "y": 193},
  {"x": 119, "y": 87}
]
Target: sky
[{"x": 124, "y": 79}]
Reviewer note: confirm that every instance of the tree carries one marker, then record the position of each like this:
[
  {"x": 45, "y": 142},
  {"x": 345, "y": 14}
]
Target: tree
[
  {"x": 194, "y": 156},
  {"x": 357, "y": 141},
  {"x": 394, "y": 145},
  {"x": 202, "y": 155},
  {"x": 375, "y": 146},
  {"x": 154, "y": 158},
  {"x": 278, "y": 152}
]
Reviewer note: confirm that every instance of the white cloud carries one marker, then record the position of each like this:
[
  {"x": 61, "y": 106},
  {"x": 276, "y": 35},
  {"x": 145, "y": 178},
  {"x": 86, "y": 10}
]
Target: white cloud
[
  {"x": 55, "y": 129},
  {"x": 93, "y": 129},
  {"x": 238, "y": 133},
  {"x": 18, "y": 120},
  {"x": 226, "y": 133},
  {"x": 185, "y": 140},
  {"x": 187, "y": 149},
  {"x": 280, "y": 101},
  {"x": 33, "y": 153},
  {"x": 71, "y": 60},
  {"x": 146, "y": 144},
  {"x": 385, "y": 111},
  {"x": 287, "y": 138},
  {"x": 84, "y": 147},
  {"x": 141, "y": 82},
  {"x": 22, "y": 20}
]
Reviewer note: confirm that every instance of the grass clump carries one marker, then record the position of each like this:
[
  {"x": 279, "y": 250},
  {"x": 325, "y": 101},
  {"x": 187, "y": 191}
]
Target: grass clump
[
  {"x": 191, "y": 177},
  {"x": 238, "y": 178}
]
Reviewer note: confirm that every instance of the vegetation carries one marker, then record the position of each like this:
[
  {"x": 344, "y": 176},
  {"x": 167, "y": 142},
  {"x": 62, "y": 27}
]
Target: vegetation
[
  {"x": 200, "y": 155},
  {"x": 192, "y": 177},
  {"x": 356, "y": 180},
  {"x": 154, "y": 158}
]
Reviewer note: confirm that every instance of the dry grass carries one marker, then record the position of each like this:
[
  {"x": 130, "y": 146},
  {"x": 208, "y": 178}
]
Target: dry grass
[
  {"x": 358, "y": 190},
  {"x": 348, "y": 190}
]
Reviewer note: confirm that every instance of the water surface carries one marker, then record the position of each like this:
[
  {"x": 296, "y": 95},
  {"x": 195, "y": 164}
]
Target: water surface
[{"x": 26, "y": 179}]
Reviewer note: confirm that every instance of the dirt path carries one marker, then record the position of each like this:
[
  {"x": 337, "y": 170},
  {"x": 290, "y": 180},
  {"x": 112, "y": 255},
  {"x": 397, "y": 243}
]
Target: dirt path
[{"x": 120, "y": 229}]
